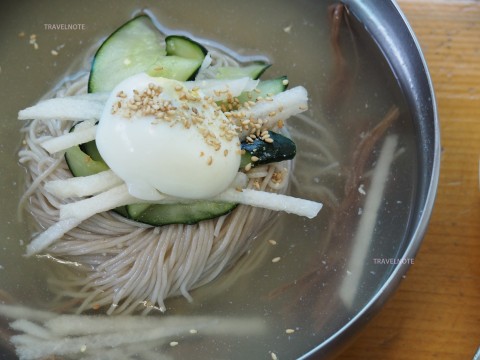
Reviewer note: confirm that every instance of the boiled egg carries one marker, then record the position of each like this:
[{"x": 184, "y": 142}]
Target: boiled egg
[{"x": 161, "y": 137}]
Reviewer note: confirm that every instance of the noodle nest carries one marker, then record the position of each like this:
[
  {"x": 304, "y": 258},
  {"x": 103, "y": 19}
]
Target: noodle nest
[{"x": 123, "y": 265}]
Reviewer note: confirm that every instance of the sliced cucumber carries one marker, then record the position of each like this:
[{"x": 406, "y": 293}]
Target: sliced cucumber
[
  {"x": 135, "y": 210},
  {"x": 178, "y": 45},
  {"x": 282, "y": 148},
  {"x": 174, "y": 67},
  {"x": 82, "y": 164},
  {"x": 90, "y": 148},
  {"x": 130, "y": 50},
  {"x": 254, "y": 71},
  {"x": 265, "y": 88},
  {"x": 182, "y": 61},
  {"x": 190, "y": 213}
]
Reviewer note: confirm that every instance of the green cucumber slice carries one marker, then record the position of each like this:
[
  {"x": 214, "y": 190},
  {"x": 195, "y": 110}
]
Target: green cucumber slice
[
  {"x": 265, "y": 88},
  {"x": 130, "y": 50},
  {"x": 190, "y": 213},
  {"x": 135, "y": 210},
  {"x": 82, "y": 164},
  {"x": 178, "y": 45},
  {"x": 254, "y": 71},
  {"x": 191, "y": 52},
  {"x": 174, "y": 67},
  {"x": 282, "y": 148}
]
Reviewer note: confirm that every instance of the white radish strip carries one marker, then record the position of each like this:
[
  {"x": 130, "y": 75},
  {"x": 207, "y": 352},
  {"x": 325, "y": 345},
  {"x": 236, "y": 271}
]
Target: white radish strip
[
  {"x": 31, "y": 328},
  {"x": 67, "y": 108},
  {"x": 23, "y": 312},
  {"x": 364, "y": 234},
  {"x": 31, "y": 347},
  {"x": 101, "y": 97},
  {"x": 207, "y": 61},
  {"x": 52, "y": 234},
  {"x": 70, "y": 139},
  {"x": 272, "y": 201},
  {"x": 119, "y": 196},
  {"x": 282, "y": 106},
  {"x": 83, "y": 209},
  {"x": 83, "y": 185},
  {"x": 221, "y": 89}
]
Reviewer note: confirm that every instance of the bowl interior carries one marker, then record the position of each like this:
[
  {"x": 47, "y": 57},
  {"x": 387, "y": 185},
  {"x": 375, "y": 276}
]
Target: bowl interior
[{"x": 367, "y": 150}]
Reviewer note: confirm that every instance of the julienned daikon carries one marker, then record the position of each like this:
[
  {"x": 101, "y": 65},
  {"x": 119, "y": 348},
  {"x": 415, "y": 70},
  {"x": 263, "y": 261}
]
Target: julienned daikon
[{"x": 167, "y": 139}]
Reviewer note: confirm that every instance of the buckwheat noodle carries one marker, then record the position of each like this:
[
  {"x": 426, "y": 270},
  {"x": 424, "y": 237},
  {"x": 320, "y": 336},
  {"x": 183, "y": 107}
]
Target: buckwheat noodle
[
  {"x": 125, "y": 266},
  {"x": 110, "y": 261}
]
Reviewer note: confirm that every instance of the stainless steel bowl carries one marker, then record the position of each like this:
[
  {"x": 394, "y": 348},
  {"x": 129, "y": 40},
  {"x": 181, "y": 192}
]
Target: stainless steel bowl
[{"x": 361, "y": 64}]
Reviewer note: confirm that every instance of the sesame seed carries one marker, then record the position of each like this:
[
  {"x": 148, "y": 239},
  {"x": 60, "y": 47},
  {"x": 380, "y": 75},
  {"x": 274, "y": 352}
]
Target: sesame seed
[
  {"x": 193, "y": 331},
  {"x": 248, "y": 167},
  {"x": 268, "y": 140},
  {"x": 54, "y": 52},
  {"x": 290, "y": 331},
  {"x": 210, "y": 160},
  {"x": 276, "y": 259},
  {"x": 173, "y": 343},
  {"x": 273, "y": 356},
  {"x": 272, "y": 242},
  {"x": 254, "y": 158}
]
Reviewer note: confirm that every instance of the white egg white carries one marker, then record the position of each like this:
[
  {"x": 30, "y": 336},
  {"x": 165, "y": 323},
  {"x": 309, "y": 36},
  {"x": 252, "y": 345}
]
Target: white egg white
[{"x": 157, "y": 156}]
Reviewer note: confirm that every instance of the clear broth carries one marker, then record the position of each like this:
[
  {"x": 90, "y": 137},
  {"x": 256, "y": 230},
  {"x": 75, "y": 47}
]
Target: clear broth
[{"x": 295, "y": 36}]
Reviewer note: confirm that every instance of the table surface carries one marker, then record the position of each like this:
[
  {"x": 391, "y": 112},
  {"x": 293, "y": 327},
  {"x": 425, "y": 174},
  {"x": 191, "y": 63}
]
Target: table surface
[{"x": 435, "y": 313}]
